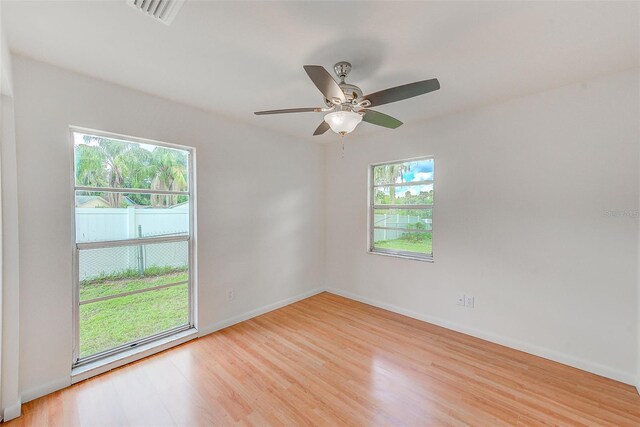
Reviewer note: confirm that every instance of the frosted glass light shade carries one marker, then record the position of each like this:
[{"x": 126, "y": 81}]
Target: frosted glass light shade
[{"x": 343, "y": 122}]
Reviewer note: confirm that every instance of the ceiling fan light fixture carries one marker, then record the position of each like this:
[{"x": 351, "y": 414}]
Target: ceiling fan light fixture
[
  {"x": 341, "y": 99},
  {"x": 343, "y": 122}
]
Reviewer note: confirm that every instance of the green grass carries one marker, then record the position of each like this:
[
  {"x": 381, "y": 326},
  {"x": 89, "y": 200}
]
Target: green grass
[
  {"x": 110, "y": 323},
  {"x": 101, "y": 287},
  {"x": 423, "y": 247},
  {"x": 133, "y": 273}
]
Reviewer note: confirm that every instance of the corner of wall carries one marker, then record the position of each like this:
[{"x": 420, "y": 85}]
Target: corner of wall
[
  {"x": 257, "y": 312},
  {"x": 325, "y": 186}
]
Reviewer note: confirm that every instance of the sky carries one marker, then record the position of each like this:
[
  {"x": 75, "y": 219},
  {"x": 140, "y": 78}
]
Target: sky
[{"x": 419, "y": 171}]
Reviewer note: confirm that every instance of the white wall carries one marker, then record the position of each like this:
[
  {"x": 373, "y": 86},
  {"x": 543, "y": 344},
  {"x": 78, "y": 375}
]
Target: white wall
[
  {"x": 6, "y": 71},
  {"x": 522, "y": 191},
  {"x": 9, "y": 283},
  {"x": 259, "y": 205},
  {"x": 10, "y": 274}
]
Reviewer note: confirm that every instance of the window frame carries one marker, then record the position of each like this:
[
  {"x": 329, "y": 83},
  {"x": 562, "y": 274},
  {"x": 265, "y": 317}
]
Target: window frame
[
  {"x": 77, "y": 247},
  {"x": 372, "y": 208}
]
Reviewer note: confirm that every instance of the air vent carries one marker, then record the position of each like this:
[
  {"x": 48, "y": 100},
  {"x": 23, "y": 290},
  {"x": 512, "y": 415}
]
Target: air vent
[{"x": 160, "y": 10}]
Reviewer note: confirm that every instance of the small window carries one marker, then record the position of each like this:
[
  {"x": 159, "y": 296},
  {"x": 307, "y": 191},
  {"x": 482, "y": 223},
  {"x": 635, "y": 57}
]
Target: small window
[{"x": 401, "y": 208}]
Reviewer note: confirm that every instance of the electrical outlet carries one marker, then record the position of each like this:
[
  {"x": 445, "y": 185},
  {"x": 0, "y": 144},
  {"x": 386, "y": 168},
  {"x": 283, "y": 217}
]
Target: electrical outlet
[
  {"x": 460, "y": 300},
  {"x": 468, "y": 301},
  {"x": 231, "y": 294}
]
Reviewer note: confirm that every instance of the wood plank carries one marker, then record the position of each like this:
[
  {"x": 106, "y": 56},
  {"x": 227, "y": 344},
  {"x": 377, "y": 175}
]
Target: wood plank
[{"x": 327, "y": 361}]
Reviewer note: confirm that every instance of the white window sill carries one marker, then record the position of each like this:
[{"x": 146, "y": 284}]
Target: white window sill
[
  {"x": 89, "y": 370},
  {"x": 400, "y": 255}
]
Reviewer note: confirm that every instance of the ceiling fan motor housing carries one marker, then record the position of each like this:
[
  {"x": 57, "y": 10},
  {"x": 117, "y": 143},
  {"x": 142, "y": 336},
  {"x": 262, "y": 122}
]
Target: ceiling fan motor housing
[{"x": 351, "y": 92}]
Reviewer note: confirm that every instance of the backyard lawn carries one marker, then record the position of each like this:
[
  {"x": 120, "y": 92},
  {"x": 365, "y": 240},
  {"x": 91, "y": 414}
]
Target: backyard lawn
[
  {"x": 424, "y": 246},
  {"x": 113, "y": 322}
]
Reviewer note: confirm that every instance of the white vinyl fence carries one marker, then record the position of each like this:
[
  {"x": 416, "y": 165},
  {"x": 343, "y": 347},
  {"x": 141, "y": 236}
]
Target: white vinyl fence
[
  {"x": 395, "y": 221},
  {"x": 117, "y": 224}
]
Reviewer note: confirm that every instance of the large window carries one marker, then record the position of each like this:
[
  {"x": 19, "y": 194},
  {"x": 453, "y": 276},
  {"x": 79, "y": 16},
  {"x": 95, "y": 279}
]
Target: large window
[
  {"x": 401, "y": 208},
  {"x": 133, "y": 246}
]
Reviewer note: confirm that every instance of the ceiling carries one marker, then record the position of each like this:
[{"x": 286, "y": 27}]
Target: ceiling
[{"x": 233, "y": 58}]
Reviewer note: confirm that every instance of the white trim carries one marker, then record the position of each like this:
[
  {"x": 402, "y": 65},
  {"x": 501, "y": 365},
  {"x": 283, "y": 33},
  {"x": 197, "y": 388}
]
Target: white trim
[
  {"x": 258, "y": 311},
  {"x": 127, "y": 138},
  {"x": 75, "y": 258},
  {"x": 44, "y": 389},
  {"x": 403, "y": 207},
  {"x": 130, "y": 190},
  {"x": 131, "y": 347},
  {"x": 76, "y": 247},
  {"x": 585, "y": 365},
  {"x": 406, "y": 255},
  {"x": 12, "y": 411},
  {"x": 408, "y": 230},
  {"x": 108, "y": 363},
  {"x": 10, "y": 226},
  {"x": 412, "y": 159},
  {"x": 88, "y": 371},
  {"x": 406, "y": 183},
  {"x": 132, "y": 242},
  {"x": 137, "y": 291}
]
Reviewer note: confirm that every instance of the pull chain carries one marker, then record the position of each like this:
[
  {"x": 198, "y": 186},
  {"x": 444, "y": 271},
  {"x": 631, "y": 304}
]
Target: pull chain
[{"x": 342, "y": 141}]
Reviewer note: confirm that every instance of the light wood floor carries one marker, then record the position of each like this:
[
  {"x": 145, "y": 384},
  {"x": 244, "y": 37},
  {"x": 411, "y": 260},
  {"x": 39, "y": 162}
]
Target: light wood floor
[{"x": 328, "y": 360}]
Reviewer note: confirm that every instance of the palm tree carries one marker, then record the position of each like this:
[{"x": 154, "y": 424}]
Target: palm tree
[
  {"x": 170, "y": 175},
  {"x": 90, "y": 166},
  {"x": 102, "y": 162},
  {"x": 389, "y": 174}
]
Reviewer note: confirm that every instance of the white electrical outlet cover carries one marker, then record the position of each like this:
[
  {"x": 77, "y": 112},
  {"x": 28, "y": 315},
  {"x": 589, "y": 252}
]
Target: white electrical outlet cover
[{"x": 469, "y": 300}]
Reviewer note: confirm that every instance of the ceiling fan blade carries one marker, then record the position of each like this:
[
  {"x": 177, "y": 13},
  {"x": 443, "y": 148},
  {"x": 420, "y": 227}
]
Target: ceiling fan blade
[
  {"x": 380, "y": 119},
  {"x": 322, "y": 128},
  {"x": 325, "y": 83},
  {"x": 289, "y": 110},
  {"x": 399, "y": 93}
]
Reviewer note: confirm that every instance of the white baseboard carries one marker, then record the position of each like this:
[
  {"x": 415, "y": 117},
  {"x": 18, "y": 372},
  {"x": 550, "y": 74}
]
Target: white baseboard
[
  {"x": 12, "y": 411},
  {"x": 257, "y": 312},
  {"x": 36, "y": 392},
  {"x": 545, "y": 353}
]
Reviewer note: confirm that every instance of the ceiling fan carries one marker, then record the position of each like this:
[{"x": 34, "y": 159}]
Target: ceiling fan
[{"x": 345, "y": 105}]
